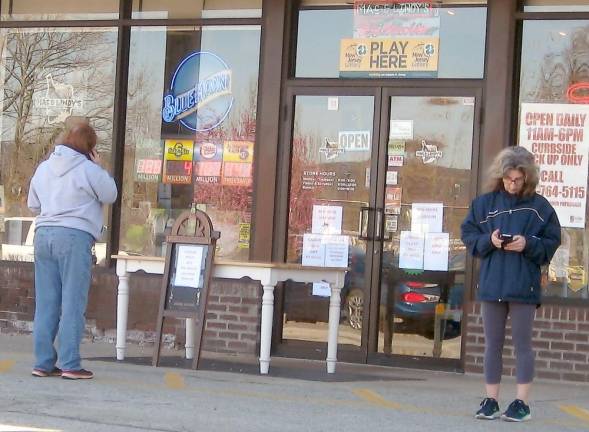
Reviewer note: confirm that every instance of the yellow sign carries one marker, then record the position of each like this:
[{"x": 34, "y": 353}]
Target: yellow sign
[
  {"x": 178, "y": 161},
  {"x": 179, "y": 150},
  {"x": 244, "y": 236},
  {"x": 389, "y": 57},
  {"x": 238, "y": 151}
]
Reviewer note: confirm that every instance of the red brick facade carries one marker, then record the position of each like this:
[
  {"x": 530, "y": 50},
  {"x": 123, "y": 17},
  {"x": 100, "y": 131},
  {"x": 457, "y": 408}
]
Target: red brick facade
[
  {"x": 561, "y": 343},
  {"x": 561, "y": 333},
  {"x": 232, "y": 321}
]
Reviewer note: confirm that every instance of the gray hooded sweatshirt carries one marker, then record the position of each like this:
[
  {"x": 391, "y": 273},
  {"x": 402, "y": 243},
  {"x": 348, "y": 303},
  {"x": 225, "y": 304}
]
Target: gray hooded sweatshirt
[{"x": 68, "y": 190}]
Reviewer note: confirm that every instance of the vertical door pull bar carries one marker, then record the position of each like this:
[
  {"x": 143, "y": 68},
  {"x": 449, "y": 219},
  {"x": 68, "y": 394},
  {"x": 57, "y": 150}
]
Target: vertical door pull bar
[
  {"x": 379, "y": 224},
  {"x": 363, "y": 223}
]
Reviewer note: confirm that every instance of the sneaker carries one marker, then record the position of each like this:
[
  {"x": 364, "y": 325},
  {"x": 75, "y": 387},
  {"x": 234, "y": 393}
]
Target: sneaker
[
  {"x": 489, "y": 410},
  {"x": 77, "y": 374},
  {"x": 40, "y": 373},
  {"x": 517, "y": 411}
]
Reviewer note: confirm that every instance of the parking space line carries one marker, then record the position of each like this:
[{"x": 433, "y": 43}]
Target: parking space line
[
  {"x": 6, "y": 365},
  {"x": 375, "y": 399},
  {"x": 12, "y": 428},
  {"x": 576, "y": 411},
  {"x": 174, "y": 381}
]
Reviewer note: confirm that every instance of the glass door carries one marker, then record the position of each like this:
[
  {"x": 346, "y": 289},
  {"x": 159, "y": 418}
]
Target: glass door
[
  {"x": 379, "y": 181},
  {"x": 424, "y": 186},
  {"x": 332, "y": 156}
]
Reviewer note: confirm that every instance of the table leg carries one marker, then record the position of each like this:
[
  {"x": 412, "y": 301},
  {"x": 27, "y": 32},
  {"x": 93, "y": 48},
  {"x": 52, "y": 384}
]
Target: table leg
[
  {"x": 334, "y": 316},
  {"x": 122, "y": 314},
  {"x": 439, "y": 327},
  {"x": 266, "y": 331},
  {"x": 189, "y": 345}
]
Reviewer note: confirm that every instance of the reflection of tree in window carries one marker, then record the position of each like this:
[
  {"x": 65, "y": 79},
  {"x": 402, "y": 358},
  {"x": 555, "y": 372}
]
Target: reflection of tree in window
[
  {"x": 561, "y": 69},
  {"x": 230, "y": 198},
  {"x": 80, "y": 62},
  {"x": 301, "y": 197}
]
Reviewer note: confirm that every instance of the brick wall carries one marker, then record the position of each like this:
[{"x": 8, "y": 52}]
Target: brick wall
[
  {"x": 17, "y": 303},
  {"x": 233, "y": 317},
  {"x": 560, "y": 340}
]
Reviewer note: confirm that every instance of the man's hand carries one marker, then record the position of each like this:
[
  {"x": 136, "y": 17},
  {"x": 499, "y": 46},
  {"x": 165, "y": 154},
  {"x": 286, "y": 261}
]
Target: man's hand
[{"x": 517, "y": 245}]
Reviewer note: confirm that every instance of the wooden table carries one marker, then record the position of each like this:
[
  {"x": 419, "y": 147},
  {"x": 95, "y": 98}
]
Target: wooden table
[{"x": 269, "y": 274}]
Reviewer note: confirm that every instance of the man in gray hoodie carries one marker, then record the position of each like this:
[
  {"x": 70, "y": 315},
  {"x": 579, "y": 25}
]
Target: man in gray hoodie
[{"x": 67, "y": 193}]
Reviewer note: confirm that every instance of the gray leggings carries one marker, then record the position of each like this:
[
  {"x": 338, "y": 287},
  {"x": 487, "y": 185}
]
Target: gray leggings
[{"x": 522, "y": 319}]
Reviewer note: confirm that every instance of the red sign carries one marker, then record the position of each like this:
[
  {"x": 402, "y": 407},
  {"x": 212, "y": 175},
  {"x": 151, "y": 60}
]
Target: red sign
[
  {"x": 579, "y": 93},
  {"x": 149, "y": 166}
]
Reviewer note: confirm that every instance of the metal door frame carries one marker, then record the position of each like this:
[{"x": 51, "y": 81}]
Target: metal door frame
[
  {"x": 368, "y": 351},
  {"x": 311, "y": 349},
  {"x": 374, "y": 356}
]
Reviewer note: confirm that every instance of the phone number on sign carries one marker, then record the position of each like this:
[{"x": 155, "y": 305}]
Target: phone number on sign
[{"x": 562, "y": 191}]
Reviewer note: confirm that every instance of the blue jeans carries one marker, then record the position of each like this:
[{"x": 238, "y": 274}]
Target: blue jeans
[{"x": 63, "y": 260}]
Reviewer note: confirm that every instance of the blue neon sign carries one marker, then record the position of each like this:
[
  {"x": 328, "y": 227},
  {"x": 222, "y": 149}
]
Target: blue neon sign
[{"x": 199, "y": 104}]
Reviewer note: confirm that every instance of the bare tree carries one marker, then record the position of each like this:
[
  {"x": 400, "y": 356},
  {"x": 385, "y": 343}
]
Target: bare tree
[
  {"x": 49, "y": 74},
  {"x": 559, "y": 70}
]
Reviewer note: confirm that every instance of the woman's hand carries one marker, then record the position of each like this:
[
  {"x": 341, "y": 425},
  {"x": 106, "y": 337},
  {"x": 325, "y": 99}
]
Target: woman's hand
[
  {"x": 517, "y": 245},
  {"x": 94, "y": 156},
  {"x": 497, "y": 242}
]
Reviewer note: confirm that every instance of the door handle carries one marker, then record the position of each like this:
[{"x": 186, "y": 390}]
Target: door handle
[
  {"x": 363, "y": 223},
  {"x": 381, "y": 232},
  {"x": 378, "y": 224}
]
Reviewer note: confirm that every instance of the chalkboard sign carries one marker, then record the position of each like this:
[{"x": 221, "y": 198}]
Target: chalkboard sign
[{"x": 187, "y": 274}]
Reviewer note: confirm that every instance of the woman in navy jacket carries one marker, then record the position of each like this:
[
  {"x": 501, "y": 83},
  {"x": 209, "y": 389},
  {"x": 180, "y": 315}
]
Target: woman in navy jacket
[{"x": 513, "y": 231}]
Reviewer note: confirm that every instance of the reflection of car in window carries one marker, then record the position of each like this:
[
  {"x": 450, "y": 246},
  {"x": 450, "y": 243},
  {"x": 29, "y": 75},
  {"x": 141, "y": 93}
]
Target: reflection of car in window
[
  {"x": 17, "y": 243},
  {"x": 301, "y": 305},
  {"x": 408, "y": 298}
]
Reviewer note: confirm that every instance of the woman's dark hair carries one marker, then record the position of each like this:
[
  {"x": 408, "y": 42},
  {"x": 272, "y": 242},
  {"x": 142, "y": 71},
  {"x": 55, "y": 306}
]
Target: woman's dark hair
[{"x": 514, "y": 158}]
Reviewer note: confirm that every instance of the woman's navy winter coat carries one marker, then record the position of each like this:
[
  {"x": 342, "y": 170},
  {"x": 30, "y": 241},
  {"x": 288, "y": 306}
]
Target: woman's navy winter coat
[{"x": 505, "y": 275}]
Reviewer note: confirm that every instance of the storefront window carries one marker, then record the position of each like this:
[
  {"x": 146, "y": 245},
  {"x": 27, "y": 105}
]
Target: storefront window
[
  {"x": 554, "y": 125},
  {"x": 48, "y": 75},
  {"x": 170, "y": 9},
  {"x": 556, "y": 6},
  {"x": 15, "y": 10},
  {"x": 371, "y": 41},
  {"x": 191, "y": 128}
]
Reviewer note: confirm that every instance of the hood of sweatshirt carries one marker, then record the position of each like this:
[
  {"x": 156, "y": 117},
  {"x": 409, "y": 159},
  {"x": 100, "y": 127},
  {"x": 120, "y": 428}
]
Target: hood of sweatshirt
[{"x": 64, "y": 159}]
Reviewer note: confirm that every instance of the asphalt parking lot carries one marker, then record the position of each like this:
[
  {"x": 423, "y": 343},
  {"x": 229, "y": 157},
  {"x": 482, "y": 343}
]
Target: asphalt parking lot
[{"x": 227, "y": 394}]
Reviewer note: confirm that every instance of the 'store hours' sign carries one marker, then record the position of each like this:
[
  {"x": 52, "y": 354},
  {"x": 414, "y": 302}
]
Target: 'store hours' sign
[{"x": 558, "y": 136}]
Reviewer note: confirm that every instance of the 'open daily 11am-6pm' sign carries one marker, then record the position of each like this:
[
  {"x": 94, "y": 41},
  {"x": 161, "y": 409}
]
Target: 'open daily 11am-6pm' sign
[{"x": 558, "y": 136}]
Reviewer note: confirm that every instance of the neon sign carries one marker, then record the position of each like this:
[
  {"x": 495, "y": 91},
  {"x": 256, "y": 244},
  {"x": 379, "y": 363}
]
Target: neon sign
[
  {"x": 578, "y": 93},
  {"x": 187, "y": 97}
]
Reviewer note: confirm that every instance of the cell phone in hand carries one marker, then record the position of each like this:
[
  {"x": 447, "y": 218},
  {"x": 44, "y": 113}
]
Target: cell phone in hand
[{"x": 507, "y": 238}]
